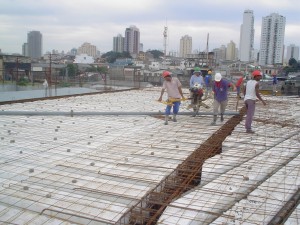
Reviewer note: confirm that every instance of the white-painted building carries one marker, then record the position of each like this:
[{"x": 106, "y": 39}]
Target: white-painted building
[
  {"x": 247, "y": 36},
  {"x": 272, "y": 40},
  {"x": 186, "y": 45},
  {"x": 84, "y": 58}
]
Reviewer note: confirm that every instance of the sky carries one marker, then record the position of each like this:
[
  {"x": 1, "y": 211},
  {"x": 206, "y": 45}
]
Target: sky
[{"x": 67, "y": 24}]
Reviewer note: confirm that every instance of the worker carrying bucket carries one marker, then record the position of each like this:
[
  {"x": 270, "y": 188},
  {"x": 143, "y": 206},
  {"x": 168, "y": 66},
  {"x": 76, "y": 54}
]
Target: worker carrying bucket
[{"x": 196, "y": 89}]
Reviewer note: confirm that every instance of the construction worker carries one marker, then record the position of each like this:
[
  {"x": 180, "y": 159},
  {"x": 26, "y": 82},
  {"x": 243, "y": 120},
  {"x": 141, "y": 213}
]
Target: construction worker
[
  {"x": 196, "y": 78},
  {"x": 220, "y": 88},
  {"x": 239, "y": 85},
  {"x": 45, "y": 84},
  {"x": 196, "y": 85},
  {"x": 173, "y": 87},
  {"x": 208, "y": 84},
  {"x": 274, "y": 82},
  {"x": 251, "y": 93}
]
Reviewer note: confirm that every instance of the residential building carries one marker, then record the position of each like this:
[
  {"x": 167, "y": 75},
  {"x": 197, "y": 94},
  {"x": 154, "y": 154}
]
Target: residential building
[
  {"x": 292, "y": 52},
  {"x": 35, "y": 42},
  {"x": 87, "y": 48},
  {"x": 220, "y": 54},
  {"x": 141, "y": 47},
  {"x": 25, "y": 49},
  {"x": 231, "y": 51},
  {"x": 247, "y": 37},
  {"x": 84, "y": 58},
  {"x": 118, "y": 43},
  {"x": 272, "y": 40},
  {"x": 186, "y": 45},
  {"x": 132, "y": 40}
]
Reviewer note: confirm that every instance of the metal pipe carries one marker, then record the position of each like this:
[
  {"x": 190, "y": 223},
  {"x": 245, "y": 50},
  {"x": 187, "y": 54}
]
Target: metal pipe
[
  {"x": 75, "y": 214},
  {"x": 91, "y": 113},
  {"x": 286, "y": 210}
]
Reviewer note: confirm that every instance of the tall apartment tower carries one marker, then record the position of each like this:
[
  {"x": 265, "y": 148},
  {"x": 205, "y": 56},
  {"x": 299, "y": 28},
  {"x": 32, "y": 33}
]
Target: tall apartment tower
[
  {"x": 186, "y": 44},
  {"x": 132, "y": 40},
  {"x": 118, "y": 43},
  {"x": 25, "y": 49},
  {"x": 272, "y": 40},
  {"x": 35, "y": 42},
  {"x": 292, "y": 52},
  {"x": 231, "y": 51},
  {"x": 247, "y": 36}
]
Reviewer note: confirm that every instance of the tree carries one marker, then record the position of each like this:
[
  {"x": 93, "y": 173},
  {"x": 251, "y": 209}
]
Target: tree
[
  {"x": 102, "y": 69},
  {"x": 72, "y": 69},
  {"x": 112, "y": 56},
  {"x": 156, "y": 53},
  {"x": 293, "y": 62},
  {"x": 91, "y": 69}
]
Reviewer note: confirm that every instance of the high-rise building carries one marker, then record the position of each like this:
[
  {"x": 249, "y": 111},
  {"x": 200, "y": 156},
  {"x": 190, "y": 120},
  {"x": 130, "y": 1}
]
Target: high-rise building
[
  {"x": 220, "y": 54},
  {"x": 247, "y": 36},
  {"x": 87, "y": 48},
  {"x": 132, "y": 40},
  {"x": 231, "y": 51},
  {"x": 292, "y": 52},
  {"x": 186, "y": 45},
  {"x": 25, "y": 49},
  {"x": 118, "y": 43},
  {"x": 272, "y": 40},
  {"x": 35, "y": 42}
]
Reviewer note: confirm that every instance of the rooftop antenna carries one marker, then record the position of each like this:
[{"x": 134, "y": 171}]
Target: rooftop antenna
[
  {"x": 165, "y": 39},
  {"x": 207, "y": 50}
]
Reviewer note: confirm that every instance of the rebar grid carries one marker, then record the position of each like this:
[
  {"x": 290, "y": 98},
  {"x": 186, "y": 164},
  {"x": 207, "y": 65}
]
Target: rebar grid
[
  {"x": 129, "y": 153},
  {"x": 186, "y": 176}
]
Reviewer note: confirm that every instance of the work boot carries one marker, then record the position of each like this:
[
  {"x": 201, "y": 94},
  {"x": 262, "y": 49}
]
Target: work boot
[
  {"x": 222, "y": 118},
  {"x": 250, "y": 131},
  {"x": 174, "y": 118},
  {"x": 166, "y": 119},
  {"x": 214, "y": 121}
]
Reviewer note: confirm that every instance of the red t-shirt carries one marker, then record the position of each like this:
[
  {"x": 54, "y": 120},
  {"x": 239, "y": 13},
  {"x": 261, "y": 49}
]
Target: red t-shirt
[{"x": 239, "y": 81}]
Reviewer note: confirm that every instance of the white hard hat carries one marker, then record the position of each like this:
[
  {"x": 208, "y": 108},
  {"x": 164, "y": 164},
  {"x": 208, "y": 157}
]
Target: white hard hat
[{"x": 218, "y": 77}]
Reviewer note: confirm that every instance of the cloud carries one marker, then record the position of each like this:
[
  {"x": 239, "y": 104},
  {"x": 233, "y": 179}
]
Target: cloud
[{"x": 69, "y": 23}]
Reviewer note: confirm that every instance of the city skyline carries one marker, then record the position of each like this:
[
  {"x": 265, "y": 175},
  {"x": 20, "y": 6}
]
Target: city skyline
[{"x": 70, "y": 23}]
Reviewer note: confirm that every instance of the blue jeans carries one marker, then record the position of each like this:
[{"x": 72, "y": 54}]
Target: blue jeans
[
  {"x": 175, "y": 108},
  {"x": 238, "y": 90}
]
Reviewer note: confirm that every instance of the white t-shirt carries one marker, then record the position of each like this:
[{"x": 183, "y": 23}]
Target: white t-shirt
[
  {"x": 172, "y": 87},
  {"x": 250, "y": 90}
]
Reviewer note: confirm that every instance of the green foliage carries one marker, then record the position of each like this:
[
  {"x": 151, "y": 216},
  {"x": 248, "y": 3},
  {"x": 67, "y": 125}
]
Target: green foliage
[
  {"x": 65, "y": 84},
  {"x": 102, "y": 69},
  {"x": 156, "y": 53},
  {"x": 99, "y": 69},
  {"x": 112, "y": 56},
  {"x": 293, "y": 66},
  {"x": 91, "y": 69},
  {"x": 23, "y": 81},
  {"x": 293, "y": 62},
  {"x": 72, "y": 70}
]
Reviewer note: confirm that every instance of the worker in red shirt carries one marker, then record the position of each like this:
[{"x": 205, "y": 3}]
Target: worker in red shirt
[{"x": 239, "y": 85}]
